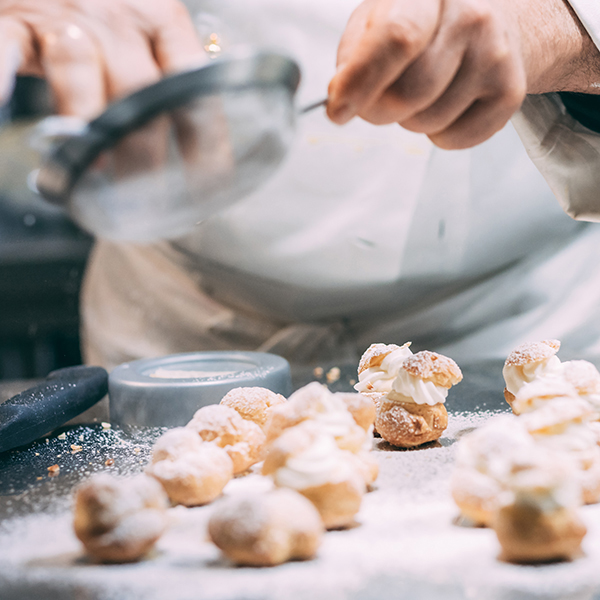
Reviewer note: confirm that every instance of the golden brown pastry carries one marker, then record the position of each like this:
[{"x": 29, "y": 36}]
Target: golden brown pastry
[
  {"x": 315, "y": 402},
  {"x": 528, "y": 362},
  {"x": 561, "y": 426},
  {"x": 253, "y": 403},
  {"x": 482, "y": 462},
  {"x": 266, "y": 529},
  {"x": 243, "y": 440},
  {"x": 413, "y": 412},
  {"x": 119, "y": 520},
  {"x": 306, "y": 458},
  {"x": 537, "y": 519},
  {"x": 361, "y": 407},
  {"x": 192, "y": 472}
]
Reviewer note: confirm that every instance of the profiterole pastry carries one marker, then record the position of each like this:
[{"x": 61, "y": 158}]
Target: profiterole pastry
[
  {"x": 560, "y": 426},
  {"x": 243, "y": 440},
  {"x": 527, "y": 362},
  {"x": 315, "y": 402},
  {"x": 479, "y": 475},
  {"x": 253, "y": 403},
  {"x": 537, "y": 519},
  {"x": 266, "y": 529},
  {"x": 361, "y": 407},
  {"x": 378, "y": 367},
  {"x": 307, "y": 459},
  {"x": 119, "y": 520},
  {"x": 413, "y": 412},
  {"x": 535, "y": 395},
  {"x": 192, "y": 472}
]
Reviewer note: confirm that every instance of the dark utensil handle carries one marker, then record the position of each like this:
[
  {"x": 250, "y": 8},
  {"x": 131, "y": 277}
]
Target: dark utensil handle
[{"x": 65, "y": 394}]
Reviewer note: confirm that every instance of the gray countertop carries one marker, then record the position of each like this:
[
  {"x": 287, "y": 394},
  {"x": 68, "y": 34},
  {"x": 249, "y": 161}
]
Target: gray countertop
[{"x": 405, "y": 545}]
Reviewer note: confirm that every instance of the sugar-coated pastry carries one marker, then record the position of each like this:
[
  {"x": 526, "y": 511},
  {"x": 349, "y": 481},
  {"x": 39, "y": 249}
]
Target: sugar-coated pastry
[
  {"x": 585, "y": 378},
  {"x": 253, "y": 403},
  {"x": 119, "y": 520},
  {"x": 541, "y": 390},
  {"x": 480, "y": 471},
  {"x": 266, "y": 529},
  {"x": 527, "y": 362},
  {"x": 561, "y": 426},
  {"x": 537, "y": 519},
  {"x": 307, "y": 459},
  {"x": 192, "y": 472},
  {"x": 378, "y": 367},
  {"x": 361, "y": 407},
  {"x": 243, "y": 440},
  {"x": 315, "y": 402},
  {"x": 413, "y": 412}
]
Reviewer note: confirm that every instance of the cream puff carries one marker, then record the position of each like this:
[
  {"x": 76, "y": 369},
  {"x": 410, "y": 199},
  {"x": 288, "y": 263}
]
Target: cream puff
[
  {"x": 527, "y": 362},
  {"x": 253, "y": 403},
  {"x": 361, "y": 407},
  {"x": 243, "y": 440},
  {"x": 266, "y": 529},
  {"x": 378, "y": 367},
  {"x": 479, "y": 475},
  {"x": 413, "y": 412},
  {"x": 537, "y": 519},
  {"x": 315, "y": 402},
  {"x": 306, "y": 458},
  {"x": 540, "y": 391},
  {"x": 119, "y": 520},
  {"x": 561, "y": 426},
  {"x": 191, "y": 471}
]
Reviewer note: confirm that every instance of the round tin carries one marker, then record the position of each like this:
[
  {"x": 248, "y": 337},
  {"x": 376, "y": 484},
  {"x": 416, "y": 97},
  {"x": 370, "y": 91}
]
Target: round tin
[{"x": 168, "y": 390}]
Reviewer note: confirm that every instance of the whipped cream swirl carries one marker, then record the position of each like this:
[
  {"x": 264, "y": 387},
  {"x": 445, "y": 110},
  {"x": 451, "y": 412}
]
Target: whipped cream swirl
[
  {"x": 515, "y": 376},
  {"x": 415, "y": 389},
  {"x": 381, "y": 378},
  {"x": 322, "y": 462}
]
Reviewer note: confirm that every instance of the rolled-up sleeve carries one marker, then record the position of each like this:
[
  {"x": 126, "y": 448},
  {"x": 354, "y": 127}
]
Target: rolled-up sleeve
[{"x": 561, "y": 133}]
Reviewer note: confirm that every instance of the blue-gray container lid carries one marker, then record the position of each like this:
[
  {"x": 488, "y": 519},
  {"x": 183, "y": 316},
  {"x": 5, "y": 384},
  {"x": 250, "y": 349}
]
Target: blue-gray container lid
[{"x": 168, "y": 390}]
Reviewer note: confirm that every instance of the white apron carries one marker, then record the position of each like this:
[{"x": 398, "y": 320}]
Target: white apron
[{"x": 366, "y": 234}]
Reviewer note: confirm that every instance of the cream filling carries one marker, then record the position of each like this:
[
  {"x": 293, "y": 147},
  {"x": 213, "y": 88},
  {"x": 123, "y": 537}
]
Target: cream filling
[
  {"x": 515, "y": 376},
  {"x": 414, "y": 389},
  {"x": 381, "y": 378},
  {"x": 323, "y": 462}
]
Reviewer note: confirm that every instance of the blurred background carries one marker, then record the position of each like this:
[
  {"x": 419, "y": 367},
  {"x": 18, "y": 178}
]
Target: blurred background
[{"x": 42, "y": 253}]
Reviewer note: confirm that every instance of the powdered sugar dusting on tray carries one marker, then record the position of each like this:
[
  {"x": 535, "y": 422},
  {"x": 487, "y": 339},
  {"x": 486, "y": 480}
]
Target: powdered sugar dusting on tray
[{"x": 405, "y": 545}]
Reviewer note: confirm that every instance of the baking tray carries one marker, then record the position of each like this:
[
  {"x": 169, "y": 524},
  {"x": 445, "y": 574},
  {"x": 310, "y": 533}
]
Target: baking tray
[{"x": 406, "y": 543}]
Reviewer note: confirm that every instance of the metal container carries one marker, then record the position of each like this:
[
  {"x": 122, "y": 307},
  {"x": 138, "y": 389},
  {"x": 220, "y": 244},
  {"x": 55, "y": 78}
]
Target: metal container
[{"x": 167, "y": 391}]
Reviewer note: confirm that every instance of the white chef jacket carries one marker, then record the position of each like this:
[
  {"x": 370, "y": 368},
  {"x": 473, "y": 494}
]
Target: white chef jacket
[{"x": 365, "y": 234}]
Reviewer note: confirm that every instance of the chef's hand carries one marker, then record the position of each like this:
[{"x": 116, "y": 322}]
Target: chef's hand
[
  {"x": 457, "y": 70},
  {"x": 91, "y": 51}
]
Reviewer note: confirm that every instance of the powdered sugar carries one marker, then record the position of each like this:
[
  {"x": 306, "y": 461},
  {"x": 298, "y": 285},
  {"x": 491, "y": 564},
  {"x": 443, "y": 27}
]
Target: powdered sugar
[{"x": 405, "y": 547}]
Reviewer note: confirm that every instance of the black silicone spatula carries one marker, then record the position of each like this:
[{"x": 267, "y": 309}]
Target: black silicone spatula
[{"x": 63, "y": 395}]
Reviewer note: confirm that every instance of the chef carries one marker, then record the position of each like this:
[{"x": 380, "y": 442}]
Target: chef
[{"x": 365, "y": 234}]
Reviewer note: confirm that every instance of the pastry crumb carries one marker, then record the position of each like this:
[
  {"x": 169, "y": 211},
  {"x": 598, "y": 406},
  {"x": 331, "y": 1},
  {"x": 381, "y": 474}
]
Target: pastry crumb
[
  {"x": 318, "y": 372},
  {"x": 53, "y": 470},
  {"x": 333, "y": 374},
  {"x": 106, "y": 425},
  {"x": 62, "y": 436},
  {"x": 75, "y": 449},
  {"x": 109, "y": 462}
]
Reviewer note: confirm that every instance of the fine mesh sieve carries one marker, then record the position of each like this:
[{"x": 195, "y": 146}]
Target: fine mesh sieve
[{"x": 159, "y": 161}]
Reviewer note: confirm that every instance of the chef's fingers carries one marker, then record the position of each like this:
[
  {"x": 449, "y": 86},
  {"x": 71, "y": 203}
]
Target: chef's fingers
[
  {"x": 138, "y": 70},
  {"x": 73, "y": 66},
  {"x": 423, "y": 82},
  {"x": 491, "y": 79},
  {"x": 15, "y": 48},
  {"x": 395, "y": 33},
  {"x": 175, "y": 41},
  {"x": 482, "y": 120}
]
